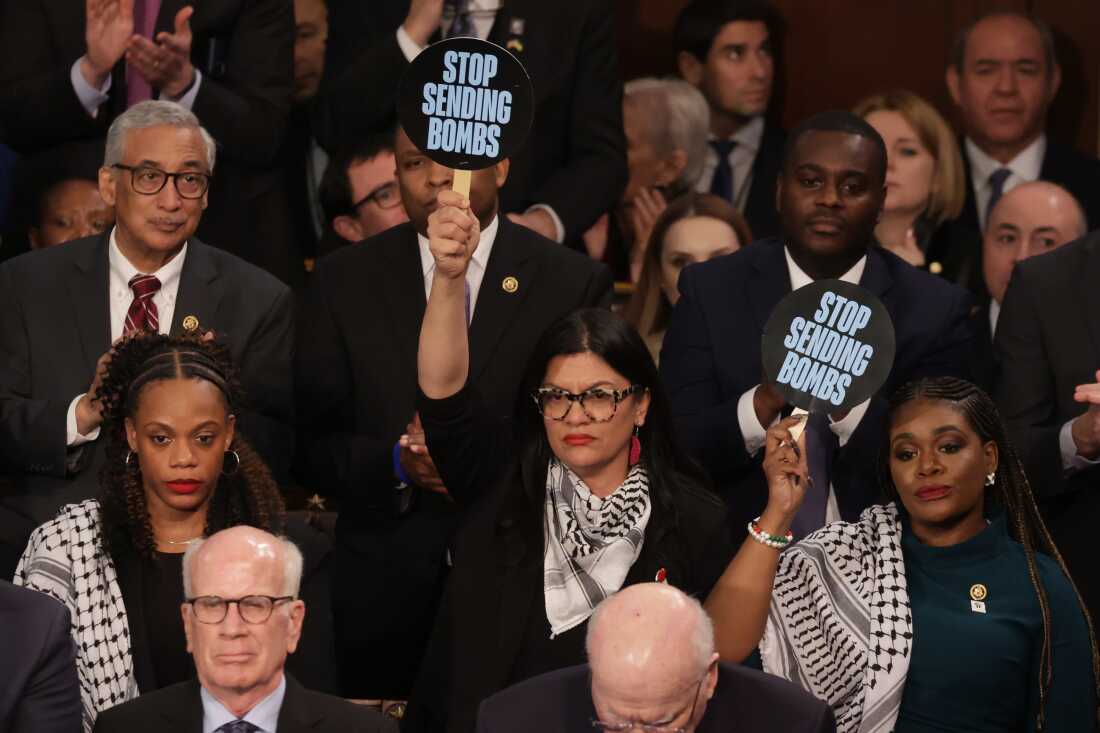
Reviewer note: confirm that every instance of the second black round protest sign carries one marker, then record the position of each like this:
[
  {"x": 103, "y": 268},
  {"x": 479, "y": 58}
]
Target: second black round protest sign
[
  {"x": 828, "y": 346},
  {"x": 466, "y": 103}
]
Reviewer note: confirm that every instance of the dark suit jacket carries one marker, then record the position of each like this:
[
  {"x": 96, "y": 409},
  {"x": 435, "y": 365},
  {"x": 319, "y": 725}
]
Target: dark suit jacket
[
  {"x": 958, "y": 243},
  {"x": 760, "y": 206},
  {"x": 495, "y": 589},
  {"x": 1047, "y": 343},
  {"x": 356, "y": 391},
  {"x": 575, "y": 157},
  {"x": 54, "y": 326},
  {"x": 711, "y": 356},
  {"x": 40, "y": 693},
  {"x": 178, "y": 709},
  {"x": 244, "y": 50},
  {"x": 745, "y": 699}
]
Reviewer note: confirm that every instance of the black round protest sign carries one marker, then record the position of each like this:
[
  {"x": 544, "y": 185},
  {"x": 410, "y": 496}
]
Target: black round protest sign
[
  {"x": 828, "y": 346},
  {"x": 466, "y": 103}
]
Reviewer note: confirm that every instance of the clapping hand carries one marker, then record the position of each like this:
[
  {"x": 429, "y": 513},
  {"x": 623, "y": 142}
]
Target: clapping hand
[
  {"x": 1086, "y": 428},
  {"x": 416, "y": 461},
  {"x": 166, "y": 64},
  {"x": 108, "y": 27}
]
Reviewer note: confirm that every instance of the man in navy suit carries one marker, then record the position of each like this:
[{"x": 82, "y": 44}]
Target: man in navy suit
[{"x": 829, "y": 195}]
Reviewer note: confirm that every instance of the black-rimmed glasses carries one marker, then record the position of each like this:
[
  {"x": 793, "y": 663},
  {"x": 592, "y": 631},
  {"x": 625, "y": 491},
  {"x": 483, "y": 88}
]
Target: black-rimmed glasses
[
  {"x": 650, "y": 727},
  {"x": 598, "y": 404},
  {"x": 148, "y": 181},
  {"x": 387, "y": 196},
  {"x": 253, "y": 609}
]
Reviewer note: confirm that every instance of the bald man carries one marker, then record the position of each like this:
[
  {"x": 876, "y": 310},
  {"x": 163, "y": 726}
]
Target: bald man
[
  {"x": 242, "y": 617},
  {"x": 652, "y": 664}
]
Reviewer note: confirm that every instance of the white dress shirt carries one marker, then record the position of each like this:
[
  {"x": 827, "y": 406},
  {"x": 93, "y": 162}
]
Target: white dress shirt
[
  {"x": 120, "y": 297},
  {"x": 482, "y": 15},
  {"x": 91, "y": 99},
  {"x": 741, "y": 159},
  {"x": 264, "y": 714},
  {"x": 1025, "y": 167},
  {"x": 475, "y": 273},
  {"x": 755, "y": 434}
]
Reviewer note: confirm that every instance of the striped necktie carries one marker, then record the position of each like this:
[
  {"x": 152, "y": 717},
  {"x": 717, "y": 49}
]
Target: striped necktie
[
  {"x": 463, "y": 24},
  {"x": 238, "y": 726},
  {"x": 142, "y": 315}
]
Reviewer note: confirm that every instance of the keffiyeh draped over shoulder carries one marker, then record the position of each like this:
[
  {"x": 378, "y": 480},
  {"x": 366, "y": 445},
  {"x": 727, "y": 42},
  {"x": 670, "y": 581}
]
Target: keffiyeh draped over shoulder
[{"x": 840, "y": 624}]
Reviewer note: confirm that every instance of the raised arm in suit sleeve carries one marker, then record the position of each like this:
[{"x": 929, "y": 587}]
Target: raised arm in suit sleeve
[
  {"x": 1025, "y": 390},
  {"x": 706, "y": 416},
  {"x": 51, "y": 699},
  {"x": 246, "y": 109},
  {"x": 268, "y": 416},
  {"x": 333, "y": 456},
  {"x": 32, "y": 431},
  {"x": 597, "y": 146},
  {"x": 38, "y": 103}
]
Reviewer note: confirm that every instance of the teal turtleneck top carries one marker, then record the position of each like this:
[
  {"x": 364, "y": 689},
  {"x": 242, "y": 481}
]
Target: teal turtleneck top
[{"x": 973, "y": 671}]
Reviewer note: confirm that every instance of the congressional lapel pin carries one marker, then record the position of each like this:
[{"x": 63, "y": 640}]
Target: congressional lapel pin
[
  {"x": 935, "y": 268},
  {"x": 516, "y": 27},
  {"x": 510, "y": 284},
  {"x": 978, "y": 594},
  {"x": 515, "y": 45},
  {"x": 190, "y": 324},
  {"x": 661, "y": 577}
]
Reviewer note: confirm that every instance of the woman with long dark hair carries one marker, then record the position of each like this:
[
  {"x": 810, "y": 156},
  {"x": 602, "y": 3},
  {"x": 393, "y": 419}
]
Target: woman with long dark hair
[
  {"x": 583, "y": 493},
  {"x": 948, "y": 608},
  {"x": 176, "y": 470}
]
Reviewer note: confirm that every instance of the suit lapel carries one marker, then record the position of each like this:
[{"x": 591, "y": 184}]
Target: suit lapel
[
  {"x": 772, "y": 282},
  {"x": 403, "y": 291},
  {"x": 295, "y": 715},
  {"x": 969, "y": 215},
  {"x": 200, "y": 291},
  {"x": 877, "y": 278},
  {"x": 89, "y": 290},
  {"x": 183, "y": 712},
  {"x": 1091, "y": 294},
  {"x": 496, "y": 308}
]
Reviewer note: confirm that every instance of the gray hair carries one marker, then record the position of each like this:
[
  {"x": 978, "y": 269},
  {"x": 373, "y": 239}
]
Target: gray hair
[
  {"x": 679, "y": 119},
  {"x": 702, "y": 638},
  {"x": 153, "y": 113},
  {"x": 292, "y": 566}
]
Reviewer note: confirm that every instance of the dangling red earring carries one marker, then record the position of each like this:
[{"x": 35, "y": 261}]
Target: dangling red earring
[{"x": 635, "y": 448}]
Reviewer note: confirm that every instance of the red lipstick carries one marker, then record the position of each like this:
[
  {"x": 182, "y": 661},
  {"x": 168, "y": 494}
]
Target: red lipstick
[
  {"x": 933, "y": 492},
  {"x": 184, "y": 485},
  {"x": 578, "y": 439}
]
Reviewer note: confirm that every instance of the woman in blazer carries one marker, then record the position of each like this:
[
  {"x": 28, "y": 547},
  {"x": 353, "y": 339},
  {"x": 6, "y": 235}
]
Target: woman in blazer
[{"x": 584, "y": 492}]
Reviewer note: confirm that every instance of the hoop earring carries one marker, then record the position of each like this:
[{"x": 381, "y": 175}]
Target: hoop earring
[
  {"x": 236, "y": 464},
  {"x": 991, "y": 478},
  {"x": 126, "y": 462}
]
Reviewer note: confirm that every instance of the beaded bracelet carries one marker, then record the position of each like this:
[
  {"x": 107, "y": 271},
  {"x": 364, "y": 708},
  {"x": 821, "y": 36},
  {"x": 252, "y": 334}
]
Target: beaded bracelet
[{"x": 774, "y": 541}]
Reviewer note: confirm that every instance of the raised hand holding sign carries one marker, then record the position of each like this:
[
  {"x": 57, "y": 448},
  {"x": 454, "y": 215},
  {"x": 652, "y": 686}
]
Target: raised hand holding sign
[
  {"x": 453, "y": 234},
  {"x": 467, "y": 104}
]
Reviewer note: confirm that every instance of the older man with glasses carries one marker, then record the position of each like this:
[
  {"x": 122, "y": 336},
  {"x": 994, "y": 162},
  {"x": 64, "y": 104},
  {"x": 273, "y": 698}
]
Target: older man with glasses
[
  {"x": 652, "y": 667},
  {"x": 242, "y": 617},
  {"x": 61, "y": 309}
]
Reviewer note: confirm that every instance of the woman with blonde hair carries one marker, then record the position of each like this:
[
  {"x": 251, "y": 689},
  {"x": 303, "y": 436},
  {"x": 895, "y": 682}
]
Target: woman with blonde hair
[{"x": 925, "y": 182}]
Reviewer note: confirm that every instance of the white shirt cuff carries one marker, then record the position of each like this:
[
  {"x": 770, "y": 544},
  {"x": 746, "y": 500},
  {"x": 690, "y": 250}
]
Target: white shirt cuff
[
  {"x": 73, "y": 437},
  {"x": 410, "y": 48},
  {"x": 753, "y": 433},
  {"x": 843, "y": 429},
  {"x": 90, "y": 98},
  {"x": 188, "y": 100},
  {"x": 1071, "y": 461},
  {"x": 559, "y": 228}
]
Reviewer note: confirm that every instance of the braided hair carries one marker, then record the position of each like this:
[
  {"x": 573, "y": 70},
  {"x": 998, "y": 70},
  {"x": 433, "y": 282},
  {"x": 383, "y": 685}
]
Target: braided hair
[
  {"x": 1011, "y": 491},
  {"x": 247, "y": 495}
]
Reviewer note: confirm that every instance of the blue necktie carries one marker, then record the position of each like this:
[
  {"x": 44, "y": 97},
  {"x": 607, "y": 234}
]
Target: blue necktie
[
  {"x": 722, "y": 183},
  {"x": 238, "y": 726},
  {"x": 467, "y": 304},
  {"x": 821, "y": 447},
  {"x": 462, "y": 25},
  {"x": 996, "y": 189}
]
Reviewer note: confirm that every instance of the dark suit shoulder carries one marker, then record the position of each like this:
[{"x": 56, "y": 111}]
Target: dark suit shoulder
[
  {"x": 751, "y": 697},
  {"x": 341, "y": 715},
  {"x": 351, "y": 263},
  {"x": 1063, "y": 265},
  {"x": 140, "y": 712},
  {"x": 260, "y": 282},
  {"x": 527, "y": 242},
  {"x": 1068, "y": 166},
  {"x": 48, "y": 261},
  {"x": 915, "y": 280},
  {"x": 726, "y": 272},
  {"x": 30, "y": 605},
  {"x": 555, "y": 698}
]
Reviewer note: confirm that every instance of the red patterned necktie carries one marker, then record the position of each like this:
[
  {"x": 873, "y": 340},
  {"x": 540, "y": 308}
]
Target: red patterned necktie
[{"x": 142, "y": 315}]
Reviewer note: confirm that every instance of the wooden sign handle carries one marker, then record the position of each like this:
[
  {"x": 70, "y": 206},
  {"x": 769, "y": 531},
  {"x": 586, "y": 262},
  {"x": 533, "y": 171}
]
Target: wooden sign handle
[{"x": 461, "y": 182}]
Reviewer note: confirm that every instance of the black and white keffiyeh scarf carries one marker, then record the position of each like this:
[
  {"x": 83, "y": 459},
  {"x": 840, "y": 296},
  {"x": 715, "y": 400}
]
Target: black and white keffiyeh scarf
[
  {"x": 591, "y": 543},
  {"x": 840, "y": 624}
]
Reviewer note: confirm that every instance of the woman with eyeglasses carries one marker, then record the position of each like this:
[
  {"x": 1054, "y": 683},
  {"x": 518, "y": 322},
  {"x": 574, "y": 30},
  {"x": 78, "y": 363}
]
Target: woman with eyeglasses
[
  {"x": 176, "y": 470},
  {"x": 582, "y": 493}
]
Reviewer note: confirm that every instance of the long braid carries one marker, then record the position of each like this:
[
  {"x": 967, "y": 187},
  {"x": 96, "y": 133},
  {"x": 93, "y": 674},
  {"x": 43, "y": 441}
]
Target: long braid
[
  {"x": 1013, "y": 492},
  {"x": 247, "y": 496}
]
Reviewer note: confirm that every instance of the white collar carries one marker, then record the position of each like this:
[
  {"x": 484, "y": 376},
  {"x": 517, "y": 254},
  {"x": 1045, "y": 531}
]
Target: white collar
[
  {"x": 749, "y": 136},
  {"x": 1027, "y": 164},
  {"x": 124, "y": 270},
  {"x": 481, "y": 254},
  {"x": 799, "y": 278},
  {"x": 264, "y": 714}
]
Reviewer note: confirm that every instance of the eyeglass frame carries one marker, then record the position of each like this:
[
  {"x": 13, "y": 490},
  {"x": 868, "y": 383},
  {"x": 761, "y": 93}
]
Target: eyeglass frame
[
  {"x": 647, "y": 727},
  {"x": 275, "y": 601},
  {"x": 174, "y": 176},
  {"x": 373, "y": 196},
  {"x": 617, "y": 394}
]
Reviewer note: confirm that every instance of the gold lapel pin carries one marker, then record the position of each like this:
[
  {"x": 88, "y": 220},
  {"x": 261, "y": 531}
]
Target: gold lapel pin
[
  {"x": 190, "y": 323},
  {"x": 514, "y": 44},
  {"x": 935, "y": 268},
  {"x": 510, "y": 284},
  {"x": 978, "y": 594}
]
